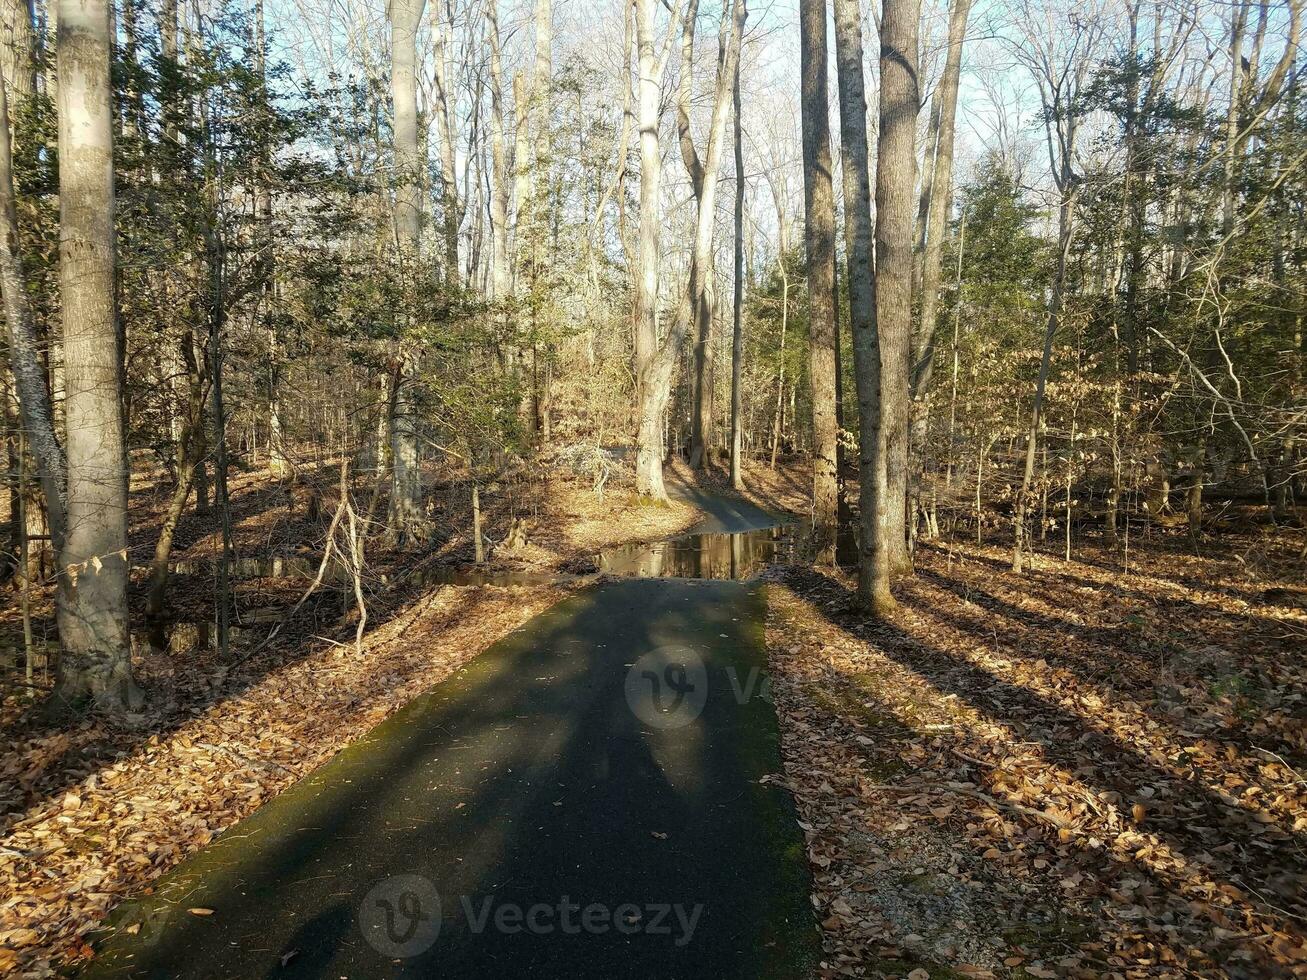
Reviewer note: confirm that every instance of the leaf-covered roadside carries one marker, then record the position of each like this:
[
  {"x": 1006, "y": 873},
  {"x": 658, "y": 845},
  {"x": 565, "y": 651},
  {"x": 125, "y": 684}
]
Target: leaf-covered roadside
[
  {"x": 94, "y": 813},
  {"x": 1076, "y": 772}
]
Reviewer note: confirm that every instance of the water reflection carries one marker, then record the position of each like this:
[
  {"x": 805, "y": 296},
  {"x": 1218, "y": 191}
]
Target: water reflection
[
  {"x": 240, "y": 568},
  {"x": 185, "y": 636},
  {"x": 706, "y": 556}
]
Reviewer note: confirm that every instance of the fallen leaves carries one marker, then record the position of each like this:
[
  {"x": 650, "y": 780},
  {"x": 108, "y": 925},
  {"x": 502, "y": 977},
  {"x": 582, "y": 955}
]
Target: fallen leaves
[
  {"x": 1001, "y": 778},
  {"x": 101, "y": 812}
]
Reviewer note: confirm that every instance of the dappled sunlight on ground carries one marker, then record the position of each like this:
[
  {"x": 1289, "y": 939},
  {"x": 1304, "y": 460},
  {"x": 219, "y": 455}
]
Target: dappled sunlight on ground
[{"x": 1118, "y": 757}]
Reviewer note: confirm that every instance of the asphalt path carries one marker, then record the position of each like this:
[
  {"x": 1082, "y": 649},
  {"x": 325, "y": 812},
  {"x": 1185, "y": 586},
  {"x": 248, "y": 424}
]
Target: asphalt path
[{"x": 586, "y": 799}]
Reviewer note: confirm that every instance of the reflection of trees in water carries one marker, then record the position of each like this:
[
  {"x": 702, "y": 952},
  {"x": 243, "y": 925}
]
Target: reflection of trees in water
[{"x": 707, "y": 556}]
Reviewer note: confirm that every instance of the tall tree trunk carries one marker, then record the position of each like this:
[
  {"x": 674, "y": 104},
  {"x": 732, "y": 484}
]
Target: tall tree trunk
[
  {"x": 406, "y": 521},
  {"x": 896, "y": 162},
  {"x": 522, "y": 182},
  {"x": 17, "y": 53},
  {"x": 1055, "y": 302},
  {"x": 937, "y": 196},
  {"x": 500, "y": 191},
  {"x": 442, "y": 28},
  {"x": 700, "y": 298},
  {"x": 873, "y": 555},
  {"x": 737, "y": 307},
  {"x": 278, "y": 463},
  {"x": 819, "y": 242},
  {"x": 652, "y": 362},
  {"x": 92, "y": 613}
]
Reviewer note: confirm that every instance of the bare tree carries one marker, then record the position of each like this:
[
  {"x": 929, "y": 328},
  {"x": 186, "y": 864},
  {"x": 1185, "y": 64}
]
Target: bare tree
[
  {"x": 701, "y": 274},
  {"x": 936, "y": 198},
  {"x": 442, "y": 108},
  {"x": 500, "y": 188},
  {"x": 1059, "y": 58}
]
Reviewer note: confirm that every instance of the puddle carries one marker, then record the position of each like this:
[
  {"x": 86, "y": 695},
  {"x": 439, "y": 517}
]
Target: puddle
[
  {"x": 719, "y": 556},
  {"x": 706, "y": 556},
  {"x": 190, "y": 635}
]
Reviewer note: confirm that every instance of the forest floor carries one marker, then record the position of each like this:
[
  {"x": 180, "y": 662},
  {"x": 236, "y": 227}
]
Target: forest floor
[
  {"x": 1079, "y": 771},
  {"x": 1090, "y": 769}
]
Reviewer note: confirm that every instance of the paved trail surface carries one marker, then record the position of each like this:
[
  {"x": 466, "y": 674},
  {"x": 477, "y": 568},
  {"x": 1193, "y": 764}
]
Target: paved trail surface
[{"x": 583, "y": 800}]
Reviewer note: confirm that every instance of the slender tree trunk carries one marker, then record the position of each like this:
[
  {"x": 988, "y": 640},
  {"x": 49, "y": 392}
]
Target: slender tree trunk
[
  {"x": 873, "y": 555},
  {"x": 500, "y": 190},
  {"x": 407, "y": 525},
  {"x": 700, "y": 298},
  {"x": 92, "y": 606},
  {"x": 1055, "y": 302},
  {"x": 936, "y": 199},
  {"x": 778, "y": 417},
  {"x": 819, "y": 240},
  {"x": 442, "y": 108},
  {"x": 158, "y": 593},
  {"x": 278, "y": 462},
  {"x": 737, "y": 310},
  {"x": 896, "y": 161},
  {"x": 35, "y": 411},
  {"x": 700, "y": 287}
]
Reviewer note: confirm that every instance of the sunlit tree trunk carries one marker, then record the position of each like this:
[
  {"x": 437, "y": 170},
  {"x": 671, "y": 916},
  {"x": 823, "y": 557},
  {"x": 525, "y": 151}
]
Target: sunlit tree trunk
[
  {"x": 873, "y": 556},
  {"x": 700, "y": 299},
  {"x": 1055, "y": 304},
  {"x": 35, "y": 411},
  {"x": 92, "y": 614},
  {"x": 653, "y": 362},
  {"x": 17, "y": 54},
  {"x": 936, "y": 202},
  {"x": 896, "y": 163},
  {"x": 737, "y": 308},
  {"x": 500, "y": 187},
  {"x": 819, "y": 241},
  {"x": 278, "y": 462},
  {"x": 443, "y": 109},
  {"x": 406, "y": 519}
]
